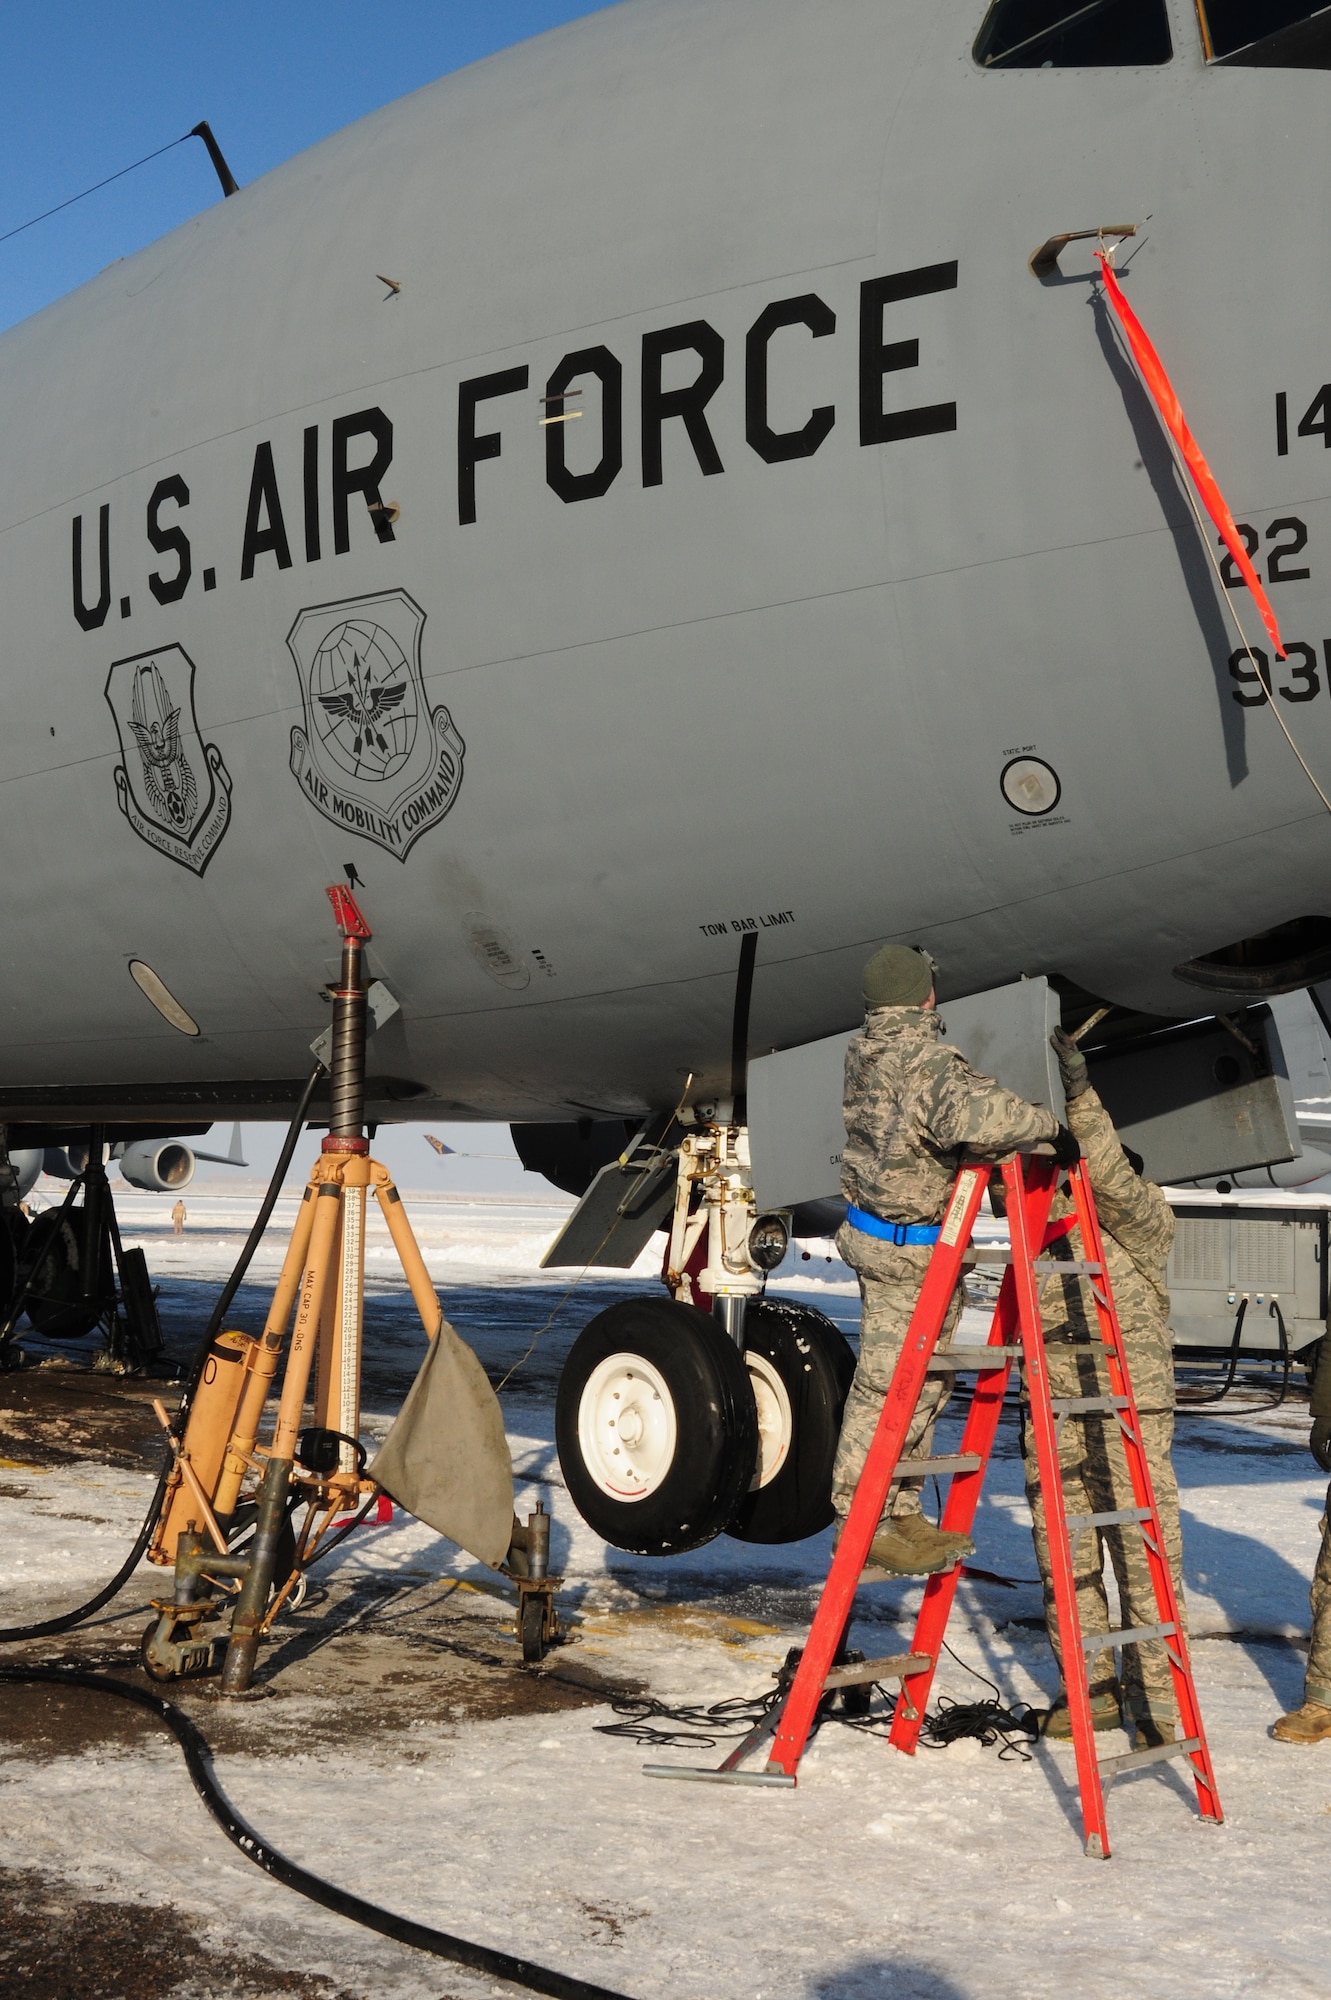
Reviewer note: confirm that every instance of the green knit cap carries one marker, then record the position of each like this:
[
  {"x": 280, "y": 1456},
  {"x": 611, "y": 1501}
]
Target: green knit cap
[{"x": 896, "y": 976}]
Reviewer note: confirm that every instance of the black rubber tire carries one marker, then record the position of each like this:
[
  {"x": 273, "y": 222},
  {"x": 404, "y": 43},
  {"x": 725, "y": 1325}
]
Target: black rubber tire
[
  {"x": 716, "y": 1440},
  {"x": 52, "y": 1266},
  {"x": 816, "y": 1364},
  {"x": 533, "y": 1629}
]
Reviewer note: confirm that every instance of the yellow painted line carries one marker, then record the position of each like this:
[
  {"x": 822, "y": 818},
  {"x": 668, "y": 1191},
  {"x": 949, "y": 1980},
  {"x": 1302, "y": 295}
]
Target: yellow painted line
[{"x": 18, "y": 1465}]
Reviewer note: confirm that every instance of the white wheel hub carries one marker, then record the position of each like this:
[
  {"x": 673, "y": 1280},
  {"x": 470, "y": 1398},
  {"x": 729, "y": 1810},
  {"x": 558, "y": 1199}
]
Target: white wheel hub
[
  {"x": 775, "y": 1423},
  {"x": 627, "y": 1427}
]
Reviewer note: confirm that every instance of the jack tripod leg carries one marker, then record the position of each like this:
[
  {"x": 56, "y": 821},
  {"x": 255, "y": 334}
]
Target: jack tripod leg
[
  {"x": 252, "y": 1604},
  {"x": 261, "y": 1574}
]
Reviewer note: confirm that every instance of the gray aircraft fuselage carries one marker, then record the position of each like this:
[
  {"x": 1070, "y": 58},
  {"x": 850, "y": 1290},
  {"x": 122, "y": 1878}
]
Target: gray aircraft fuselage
[{"x": 845, "y": 518}]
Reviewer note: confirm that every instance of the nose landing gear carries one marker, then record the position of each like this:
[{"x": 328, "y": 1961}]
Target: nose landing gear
[{"x": 716, "y": 1410}]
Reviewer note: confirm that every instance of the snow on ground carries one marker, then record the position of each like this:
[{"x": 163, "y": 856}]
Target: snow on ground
[{"x": 955, "y": 1875}]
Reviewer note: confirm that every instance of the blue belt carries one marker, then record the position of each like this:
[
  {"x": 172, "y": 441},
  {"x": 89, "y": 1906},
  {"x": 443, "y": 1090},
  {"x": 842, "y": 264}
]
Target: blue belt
[{"x": 892, "y": 1232}]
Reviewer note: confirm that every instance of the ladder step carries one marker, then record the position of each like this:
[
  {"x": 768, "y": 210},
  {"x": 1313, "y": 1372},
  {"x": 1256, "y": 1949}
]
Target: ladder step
[
  {"x": 1109, "y": 1520},
  {"x": 1131, "y": 1760},
  {"x": 1080, "y": 1406},
  {"x": 1131, "y": 1635},
  {"x": 1048, "y": 1267},
  {"x": 957, "y": 1358},
  {"x": 865, "y": 1671},
  {"x": 918, "y": 1468}
]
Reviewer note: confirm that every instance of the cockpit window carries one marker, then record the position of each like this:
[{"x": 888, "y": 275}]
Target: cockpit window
[
  {"x": 1075, "y": 34},
  {"x": 1267, "y": 34}
]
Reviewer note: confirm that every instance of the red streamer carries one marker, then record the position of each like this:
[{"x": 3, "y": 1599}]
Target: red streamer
[{"x": 1171, "y": 411}]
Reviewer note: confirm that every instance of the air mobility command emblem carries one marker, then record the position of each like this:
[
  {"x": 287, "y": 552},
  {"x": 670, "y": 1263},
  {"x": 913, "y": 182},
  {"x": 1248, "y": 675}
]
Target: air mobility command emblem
[
  {"x": 173, "y": 788},
  {"x": 372, "y": 756}
]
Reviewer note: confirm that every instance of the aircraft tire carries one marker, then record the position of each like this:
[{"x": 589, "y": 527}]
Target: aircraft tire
[
  {"x": 52, "y": 1260},
  {"x": 656, "y": 1426},
  {"x": 801, "y": 1366}
]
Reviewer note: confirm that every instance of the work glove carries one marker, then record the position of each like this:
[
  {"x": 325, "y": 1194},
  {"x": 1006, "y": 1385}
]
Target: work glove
[
  {"x": 1067, "y": 1152},
  {"x": 1072, "y": 1063},
  {"x": 1319, "y": 1444}
]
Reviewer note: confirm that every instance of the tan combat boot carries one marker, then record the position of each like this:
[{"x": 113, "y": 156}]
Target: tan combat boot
[
  {"x": 1154, "y": 1730},
  {"x": 909, "y": 1545},
  {"x": 1309, "y": 1724},
  {"x": 1056, "y": 1721}
]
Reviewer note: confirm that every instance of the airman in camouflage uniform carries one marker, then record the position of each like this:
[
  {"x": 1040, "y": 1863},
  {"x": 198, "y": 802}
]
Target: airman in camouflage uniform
[
  {"x": 1137, "y": 1225},
  {"x": 1312, "y": 1722},
  {"x": 913, "y": 1107}
]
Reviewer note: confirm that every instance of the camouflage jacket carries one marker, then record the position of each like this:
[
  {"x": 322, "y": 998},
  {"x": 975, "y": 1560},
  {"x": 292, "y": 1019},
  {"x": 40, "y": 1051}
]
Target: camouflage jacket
[
  {"x": 912, "y": 1106},
  {"x": 1132, "y": 1211}
]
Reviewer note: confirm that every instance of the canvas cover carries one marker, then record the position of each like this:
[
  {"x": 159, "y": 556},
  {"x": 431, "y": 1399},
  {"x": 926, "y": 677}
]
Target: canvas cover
[{"x": 446, "y": 1458}]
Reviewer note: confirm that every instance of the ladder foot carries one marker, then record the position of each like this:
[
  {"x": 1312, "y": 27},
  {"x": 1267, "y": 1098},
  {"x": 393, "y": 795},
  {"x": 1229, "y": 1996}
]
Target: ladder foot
[{"x": 1095, "y": 1848}]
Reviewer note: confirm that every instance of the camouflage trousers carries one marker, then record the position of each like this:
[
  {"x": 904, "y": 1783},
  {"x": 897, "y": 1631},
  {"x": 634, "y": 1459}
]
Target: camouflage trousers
[
  {"x": 890, "y": 1279},
  {"x": 1317, "y": 1682},
  {"x": 1096, "y": 1481}
]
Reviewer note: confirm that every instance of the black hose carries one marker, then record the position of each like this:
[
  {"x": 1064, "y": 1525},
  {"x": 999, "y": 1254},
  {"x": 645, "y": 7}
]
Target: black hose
[
  {"x": 1286, "y": 1353},
  {"x": 1234, "y": 1347},
  {"x": 49, "y": 1628},
  {"x": 440, "y": 1944},
  {"x": 255, "y": 1237}
]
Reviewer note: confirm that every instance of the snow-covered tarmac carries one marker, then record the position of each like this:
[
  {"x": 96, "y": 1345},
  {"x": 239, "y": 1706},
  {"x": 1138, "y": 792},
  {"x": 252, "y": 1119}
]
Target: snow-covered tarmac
[{"x": 955, "y": 1875}]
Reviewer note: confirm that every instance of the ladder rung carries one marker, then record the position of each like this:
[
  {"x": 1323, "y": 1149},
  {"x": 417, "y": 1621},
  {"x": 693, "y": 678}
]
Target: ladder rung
[
  {"x": 1049, "y": 1268},
  {"x": 1131, "y": 1635},
  {"x": 919, "y": 1468},
  {"x": 972, "y": 1357},
  {"x": 1109, "y": 1520},
  {"x": 864, "y": 1671},
  {"x": 1079, "y": 1406},
  {"x": 1131, "y": 1760}
]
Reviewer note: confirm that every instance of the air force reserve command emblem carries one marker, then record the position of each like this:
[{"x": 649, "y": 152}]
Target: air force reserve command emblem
[
  {"x": 173, "y": 788},
  {"x": 373, "y": 756}
]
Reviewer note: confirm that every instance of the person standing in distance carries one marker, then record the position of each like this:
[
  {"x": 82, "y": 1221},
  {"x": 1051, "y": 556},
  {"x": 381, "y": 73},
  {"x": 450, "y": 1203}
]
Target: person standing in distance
[
  {"x": 914, "y": 1110},
  {"x": 1312, "y": 1722},
  {"x": 178, "y": 1219}
]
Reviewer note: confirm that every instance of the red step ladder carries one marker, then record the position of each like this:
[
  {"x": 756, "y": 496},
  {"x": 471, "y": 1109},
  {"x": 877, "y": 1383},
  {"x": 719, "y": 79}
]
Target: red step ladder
[{"x": 1016, "y": 1334}]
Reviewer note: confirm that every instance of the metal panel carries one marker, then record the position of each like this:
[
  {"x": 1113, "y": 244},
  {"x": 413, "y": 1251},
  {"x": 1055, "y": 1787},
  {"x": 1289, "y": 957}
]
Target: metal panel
[
  {"x": 796, "y": 1132},
  {"x": 1263, "y": 1255},
  {"x": 613, "y": 1223},
  {"x": 1273, "y": 1257},
  {"x": 1199, "y": 1102},
  {"x": 1201, "y": 1252}
]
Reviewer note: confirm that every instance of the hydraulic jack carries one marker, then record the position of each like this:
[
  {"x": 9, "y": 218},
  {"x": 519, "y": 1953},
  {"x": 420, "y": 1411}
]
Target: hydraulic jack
[{"x": 239, "y": 1560}]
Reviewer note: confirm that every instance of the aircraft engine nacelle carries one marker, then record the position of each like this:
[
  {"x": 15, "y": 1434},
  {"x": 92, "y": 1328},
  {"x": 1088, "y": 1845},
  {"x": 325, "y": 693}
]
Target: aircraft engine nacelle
[
  {"x": 27, "y": 1165},
  {"x": 571, "y": 1156},
  {"x": 162, "y": 1166}
]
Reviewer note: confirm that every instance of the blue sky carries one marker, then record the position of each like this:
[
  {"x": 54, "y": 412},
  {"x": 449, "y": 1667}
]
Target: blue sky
[{"x": 88, "y": 88}]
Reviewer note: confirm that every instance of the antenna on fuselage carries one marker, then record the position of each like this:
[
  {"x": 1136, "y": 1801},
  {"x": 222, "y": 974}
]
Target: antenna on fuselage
[{"x": 203, "y": 130}]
